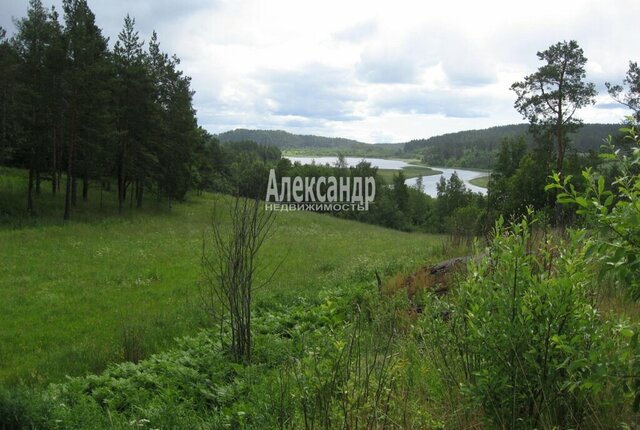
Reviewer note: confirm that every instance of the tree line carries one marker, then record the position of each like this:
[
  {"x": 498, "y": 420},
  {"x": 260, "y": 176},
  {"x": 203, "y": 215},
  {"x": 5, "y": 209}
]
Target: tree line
[
  {"x": 480, "y": 148},
  {"x": 75, "y": 111}
]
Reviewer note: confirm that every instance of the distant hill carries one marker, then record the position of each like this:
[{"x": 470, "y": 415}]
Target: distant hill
[
  {"x": 478, "y": 148},
  {"x": 306, "y": 144},
  {"x": 286, "y": 140}
]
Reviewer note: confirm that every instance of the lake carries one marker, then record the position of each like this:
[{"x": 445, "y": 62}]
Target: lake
[{"x": 429, "y": 183}]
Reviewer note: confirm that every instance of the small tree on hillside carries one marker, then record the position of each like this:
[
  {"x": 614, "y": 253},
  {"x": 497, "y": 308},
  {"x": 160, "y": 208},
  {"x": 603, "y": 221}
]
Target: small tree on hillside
[
  {"x": 230, "y": 271},
  {"x": 550, "y": 97}
]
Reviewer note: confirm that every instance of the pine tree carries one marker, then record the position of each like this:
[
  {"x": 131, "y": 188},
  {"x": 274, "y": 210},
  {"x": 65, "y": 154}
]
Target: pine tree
[
  {"x": 32, "y": 42},
  {"x": 550, "y": 97},
  {"x": 9, "y": 90},
  {"x": 86, "y": 78},
  {"x": 135, "y": 109},
  {"x": 177, "y": 132}
]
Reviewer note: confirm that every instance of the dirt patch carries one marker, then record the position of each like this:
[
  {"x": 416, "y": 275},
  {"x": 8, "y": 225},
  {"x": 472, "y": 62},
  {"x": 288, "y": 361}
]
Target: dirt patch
[{"x": 438, "y": 278}]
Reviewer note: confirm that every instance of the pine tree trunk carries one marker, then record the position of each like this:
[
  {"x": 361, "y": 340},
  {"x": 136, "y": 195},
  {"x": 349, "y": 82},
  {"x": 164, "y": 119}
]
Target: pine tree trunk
[
  {"x": 60, "y": 154},
  {"x": 54, "y": 165},
  {"x": 4, "y": 115},
  {"x": 139, "y": 196},
  {"x": 74, "y": 190},
  {"x": 85, "y": 188},
  {"x": 67, "y": 196},
  {"x": 37, "y": 182},
  {"x": 132, "y": 185},
  {"x": 121, "y": 188},
  {"x": 30, "y": 191}
]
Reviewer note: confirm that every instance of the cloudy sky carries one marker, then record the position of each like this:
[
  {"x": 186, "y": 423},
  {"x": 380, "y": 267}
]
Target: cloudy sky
[{"x": 371, "y": 70}]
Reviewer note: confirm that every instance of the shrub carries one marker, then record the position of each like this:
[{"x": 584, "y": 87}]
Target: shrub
[
  {"x": 613, "y": 212},
  {"x": 523, "y": 341}
]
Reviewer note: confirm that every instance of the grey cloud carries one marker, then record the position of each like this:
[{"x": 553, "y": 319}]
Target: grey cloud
[
  {"x": 10, "y": 10},
  {"x": 420, "y": 101},
  {"x": 387, "y": 68},
  {"x": 149, "y": 14},
  {"x": 315, "y": 91},
  {"x": 462, "y": 61},
  {"x": 468, "y": 73},
  {"x": 466, "y": 62}
]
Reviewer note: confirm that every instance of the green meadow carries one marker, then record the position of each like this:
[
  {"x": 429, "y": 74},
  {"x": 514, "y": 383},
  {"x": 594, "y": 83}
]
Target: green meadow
[
  {"x": 483, "y": 181},
  {"x": 409, "y": 172},
  {"x": 74, "y": 297}
]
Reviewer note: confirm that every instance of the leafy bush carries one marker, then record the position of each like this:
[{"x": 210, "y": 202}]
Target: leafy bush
[
  {"x": 523, "y": 341},
  {"x": 612, "y": 211},
  {"x": 21, "y": 407}
]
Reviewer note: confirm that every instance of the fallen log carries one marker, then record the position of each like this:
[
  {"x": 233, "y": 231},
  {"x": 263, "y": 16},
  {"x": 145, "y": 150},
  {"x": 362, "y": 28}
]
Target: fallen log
[{"x": 437, "y": 278}]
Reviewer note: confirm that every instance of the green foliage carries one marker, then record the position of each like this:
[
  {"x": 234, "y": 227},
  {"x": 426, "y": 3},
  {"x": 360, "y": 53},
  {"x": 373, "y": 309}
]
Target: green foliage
[
  {"x": 303, "y": 145},
  {"x": 22, "y": 407},
  {"x": 411, "y": 171},
  {"x": 480, "y": 148},
  {"x": 400, "y": 191},
  {"x": 523, "y": 341},
  {"x": 510, "y": 196},
  {"x": 9, "y": 89},
  {"x": 339, "y": 360},
  {"x": 73, "y": 106},
  {"x": 549, "y": 98},
  {"x": 613, "y": 211},
  {"x": 511, "y": 152},
  {"x": 463, "y": 224},
  {"x": 457, "y": 208}
]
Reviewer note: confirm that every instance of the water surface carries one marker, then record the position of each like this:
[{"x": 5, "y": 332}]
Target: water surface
[{"x": 429, "y": 183}]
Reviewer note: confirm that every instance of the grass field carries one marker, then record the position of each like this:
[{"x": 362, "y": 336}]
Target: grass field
[
  {"x": 481, "y": 182},
  {"x": 70, "y": 292},
  {"x": 409, "y": 172}
]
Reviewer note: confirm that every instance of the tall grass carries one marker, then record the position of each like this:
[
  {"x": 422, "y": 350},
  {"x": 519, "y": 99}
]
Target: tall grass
[{"x": 67, "y": 291}]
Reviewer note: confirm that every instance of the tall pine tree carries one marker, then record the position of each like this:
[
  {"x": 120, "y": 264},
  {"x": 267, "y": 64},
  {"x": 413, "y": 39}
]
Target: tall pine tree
[{"x": 86, "y": 79}]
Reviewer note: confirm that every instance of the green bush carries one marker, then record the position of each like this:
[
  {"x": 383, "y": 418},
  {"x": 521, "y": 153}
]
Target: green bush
[
  {"x": 521, "y": 342},
  {"x": 613, "y": 212},
  {"x": 22, "y": 407}
]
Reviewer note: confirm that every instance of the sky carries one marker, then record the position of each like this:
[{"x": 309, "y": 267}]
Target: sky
[{"x": 374, "y": 71}]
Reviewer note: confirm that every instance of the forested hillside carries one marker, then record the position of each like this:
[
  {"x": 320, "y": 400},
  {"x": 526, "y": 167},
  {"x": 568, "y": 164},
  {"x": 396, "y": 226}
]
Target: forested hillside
[
  {"x": 470, "y": 148},
  {"x": 479, "y": 148},
  {"x": 317, "y": 145},
  {"x": 283, "y": 139}
]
